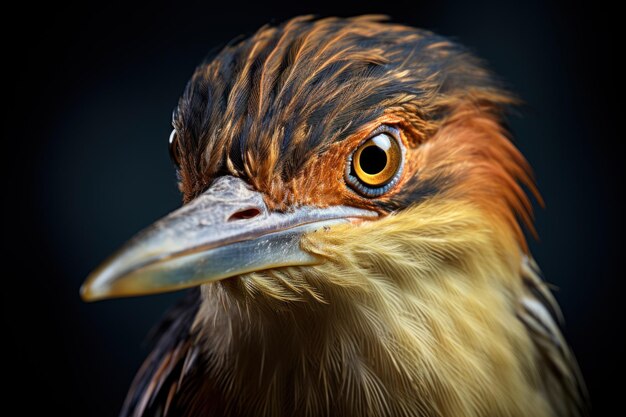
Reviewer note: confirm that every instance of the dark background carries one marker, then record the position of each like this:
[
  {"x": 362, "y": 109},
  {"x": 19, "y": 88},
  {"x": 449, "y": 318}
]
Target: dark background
[{"x": 91, "y": 91}]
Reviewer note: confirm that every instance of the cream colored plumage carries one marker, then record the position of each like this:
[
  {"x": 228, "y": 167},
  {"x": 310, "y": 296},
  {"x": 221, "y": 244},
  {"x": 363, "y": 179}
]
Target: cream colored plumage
[{"x": 433, "y": 295}]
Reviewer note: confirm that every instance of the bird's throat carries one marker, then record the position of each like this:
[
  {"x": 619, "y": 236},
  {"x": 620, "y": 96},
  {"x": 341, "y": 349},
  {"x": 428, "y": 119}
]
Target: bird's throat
[{"x": 394, "y": 301}]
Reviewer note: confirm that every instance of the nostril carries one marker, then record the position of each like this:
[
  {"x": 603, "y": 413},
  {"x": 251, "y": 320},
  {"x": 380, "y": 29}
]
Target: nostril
[{"x": 244, "y": 214}]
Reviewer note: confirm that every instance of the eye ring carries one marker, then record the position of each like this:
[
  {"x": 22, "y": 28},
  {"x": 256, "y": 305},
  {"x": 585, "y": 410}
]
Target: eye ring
[
  {"x": 174, "y": 148},
  {"x": 375, "y": 166}
]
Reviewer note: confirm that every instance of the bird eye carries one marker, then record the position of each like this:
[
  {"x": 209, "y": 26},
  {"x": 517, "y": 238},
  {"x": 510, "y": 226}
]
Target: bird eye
[
  {"x": 174, "y": 148},
  {"x": 375, "y": 166}
]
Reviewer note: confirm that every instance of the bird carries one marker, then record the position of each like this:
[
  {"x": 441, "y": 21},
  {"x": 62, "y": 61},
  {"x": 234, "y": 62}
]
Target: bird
[{"x": 352, "y": 239}]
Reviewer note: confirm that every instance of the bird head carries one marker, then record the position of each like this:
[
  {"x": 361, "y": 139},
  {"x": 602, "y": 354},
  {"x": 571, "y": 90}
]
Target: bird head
[{"x": 326, "y": 155}]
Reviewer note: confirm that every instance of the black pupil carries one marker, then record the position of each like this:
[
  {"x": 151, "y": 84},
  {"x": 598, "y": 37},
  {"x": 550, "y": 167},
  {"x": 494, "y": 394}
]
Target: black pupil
[{"x": 373, "y": 160}]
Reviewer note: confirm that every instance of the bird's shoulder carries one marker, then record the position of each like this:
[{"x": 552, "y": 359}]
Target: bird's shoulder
[
  {"x": 538, "y": 310},
  {"x": 170, "y": 380}
]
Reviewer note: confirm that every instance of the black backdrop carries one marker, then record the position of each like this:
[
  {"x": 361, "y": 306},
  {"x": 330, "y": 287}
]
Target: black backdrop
[{"x": 86, "y": 166}]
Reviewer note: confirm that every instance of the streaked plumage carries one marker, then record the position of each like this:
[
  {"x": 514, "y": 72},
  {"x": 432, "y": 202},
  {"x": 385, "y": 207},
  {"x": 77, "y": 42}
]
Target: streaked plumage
[{"x": 436, "y": 308}]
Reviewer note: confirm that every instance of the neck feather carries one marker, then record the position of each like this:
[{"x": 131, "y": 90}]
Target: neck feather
[{"x": 409, "y": 315}]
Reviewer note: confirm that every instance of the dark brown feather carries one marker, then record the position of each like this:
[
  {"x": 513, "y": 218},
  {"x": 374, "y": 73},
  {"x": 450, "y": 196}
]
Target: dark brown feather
[
  {"x": 563, "y": 384},
  {"x": 172, "y": 373}
]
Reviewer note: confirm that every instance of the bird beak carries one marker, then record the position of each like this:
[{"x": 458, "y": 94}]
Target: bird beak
[{"x": 225, "y": 232}]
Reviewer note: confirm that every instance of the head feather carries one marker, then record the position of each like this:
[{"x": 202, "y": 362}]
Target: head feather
[{"x": 283, "y": 107}]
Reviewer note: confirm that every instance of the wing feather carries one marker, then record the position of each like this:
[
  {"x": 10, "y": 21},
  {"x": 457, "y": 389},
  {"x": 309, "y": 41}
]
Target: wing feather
[
  {"x": 170, "y": 369},
  {"x": 539, "y": 311}
]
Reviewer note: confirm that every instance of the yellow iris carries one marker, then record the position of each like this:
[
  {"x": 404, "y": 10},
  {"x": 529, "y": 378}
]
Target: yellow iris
[{"x": 377, "y": 160}]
